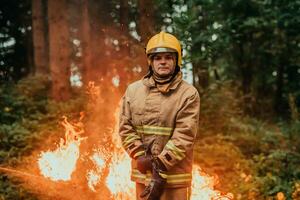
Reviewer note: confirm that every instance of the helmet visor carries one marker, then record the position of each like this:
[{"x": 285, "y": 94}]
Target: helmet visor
[{"x": 161, "y": 50}]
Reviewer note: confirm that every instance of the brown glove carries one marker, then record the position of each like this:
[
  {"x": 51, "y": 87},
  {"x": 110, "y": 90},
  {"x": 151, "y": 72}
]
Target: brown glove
[
  {"x": 144, "y": 163},
  {"x": 156, "y": 186}
]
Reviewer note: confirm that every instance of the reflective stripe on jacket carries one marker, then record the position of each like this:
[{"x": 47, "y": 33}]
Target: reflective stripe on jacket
[{"x": 167, "y": 121}]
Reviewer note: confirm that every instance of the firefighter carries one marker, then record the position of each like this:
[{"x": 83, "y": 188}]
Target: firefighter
[{"x": 159, "y": 117}]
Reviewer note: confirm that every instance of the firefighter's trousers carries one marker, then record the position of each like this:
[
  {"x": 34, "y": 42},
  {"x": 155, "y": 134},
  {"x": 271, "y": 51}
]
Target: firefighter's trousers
[{"x": 183, "y": 193}]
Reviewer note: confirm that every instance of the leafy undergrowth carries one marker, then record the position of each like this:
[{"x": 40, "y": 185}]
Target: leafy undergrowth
[
  {"x": 29, "y": 120},
  {"x": 253, "y": 159}
]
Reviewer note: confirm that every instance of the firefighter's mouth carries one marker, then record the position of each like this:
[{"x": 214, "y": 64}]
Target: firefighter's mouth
[{"x": 164, "y": 68}]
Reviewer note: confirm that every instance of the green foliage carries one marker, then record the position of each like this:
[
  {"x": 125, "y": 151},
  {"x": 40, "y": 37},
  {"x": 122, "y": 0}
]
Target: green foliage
[
  {"x": 219, "y": 106},
  {"x": 278, "y": 172},
  {"x": 26, "y": 99},
  {"x": 11, "y": 191},
  {"x": 28, "y": 117},
  {"x": 254, "y": 159},
  {"x": 255, "y": 43}
]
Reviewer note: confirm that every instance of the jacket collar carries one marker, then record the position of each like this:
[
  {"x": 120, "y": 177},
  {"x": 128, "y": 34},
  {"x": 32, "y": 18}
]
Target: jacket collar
[{"x": 149, "y": 81}]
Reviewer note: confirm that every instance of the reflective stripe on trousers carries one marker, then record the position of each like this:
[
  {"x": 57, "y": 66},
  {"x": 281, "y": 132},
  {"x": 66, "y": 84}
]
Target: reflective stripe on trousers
[{"x": 171, "y": 178}]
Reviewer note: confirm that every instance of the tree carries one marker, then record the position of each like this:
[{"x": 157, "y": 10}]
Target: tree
[
  {"x": 15, "y": 40},
  {"x": 146, "y": 22},
  {"x": 86, "y": 43},
  {"x": 124, "y": 16},
  {"x": 39, "y": 32},
  {"x": 59, "y": 49}
]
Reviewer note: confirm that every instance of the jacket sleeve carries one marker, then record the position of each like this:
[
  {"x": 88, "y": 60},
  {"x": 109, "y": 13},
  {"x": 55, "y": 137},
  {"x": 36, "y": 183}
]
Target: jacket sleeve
[
  {"x": 186, "y": 126},
  {"x": 131, "y": 141}
]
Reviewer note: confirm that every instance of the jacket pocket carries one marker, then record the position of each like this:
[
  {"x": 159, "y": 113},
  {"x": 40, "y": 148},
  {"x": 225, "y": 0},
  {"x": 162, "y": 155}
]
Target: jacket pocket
[{"x": 136, "y": 113}]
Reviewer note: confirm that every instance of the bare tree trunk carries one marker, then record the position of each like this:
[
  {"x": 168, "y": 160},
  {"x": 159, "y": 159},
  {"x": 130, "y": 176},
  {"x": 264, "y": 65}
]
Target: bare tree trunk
[
  {"x": 124, "y": 28},
  {"x": 201, "y": 76},
  {"x": 40, "y": 47},
  {"x": 100, "y": 21},
  {"x": 279, "y": 108},
  {"x": 146, "y": 23},
  {"x": 86, "y": 43},
  {"x": 124, "y": 16},
  {"x": 59, "y": 49},
  {"x": 200, "y": 70},
  {"x": 246, "y": 72}
]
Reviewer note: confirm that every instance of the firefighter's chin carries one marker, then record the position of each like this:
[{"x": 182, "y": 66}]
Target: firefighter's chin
[{"x": 164, "y": 71}]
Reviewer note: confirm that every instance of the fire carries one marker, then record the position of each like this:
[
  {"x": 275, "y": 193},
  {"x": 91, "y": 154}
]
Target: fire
[
  {"x": 118, "y": 179},
  {"x": 202, "y": 187},
  {"x": 94, "y": 176},
  {"x": 61, "y": 163}
]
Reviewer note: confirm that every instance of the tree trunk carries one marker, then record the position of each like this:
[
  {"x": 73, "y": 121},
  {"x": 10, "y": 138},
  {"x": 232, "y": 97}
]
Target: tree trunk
[
  {"x": 279, "y": 87},
  {"x": 200, "y": 76},
  {"x": 100, "y": 21},
  {"x": 59, "y": 49},
  {"x": 246, "y": 73},
  {"x": 40, "y": 47},
  {"x": 146, "y": 22},
  {"x": 86, "y": 43},
  {"x": 200, "y": 70},
  {"x": 124, "y": 23},
  {"x": 200, "y": 67},
  {"x": 124, "y": 16}
]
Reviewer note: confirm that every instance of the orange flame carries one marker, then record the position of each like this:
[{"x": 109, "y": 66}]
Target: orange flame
[
  {"x": 61, "y": 163},
  {"x": 203, "y": 187},
  {"x": 118, "y": 180},
  {"x": 94, "y": 176}
]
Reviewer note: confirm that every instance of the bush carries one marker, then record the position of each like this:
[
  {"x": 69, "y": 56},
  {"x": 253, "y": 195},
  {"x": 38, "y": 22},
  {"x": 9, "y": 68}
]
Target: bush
[
  {"x": 27, "y": 118},
  {"x": 254, "y": 159}
]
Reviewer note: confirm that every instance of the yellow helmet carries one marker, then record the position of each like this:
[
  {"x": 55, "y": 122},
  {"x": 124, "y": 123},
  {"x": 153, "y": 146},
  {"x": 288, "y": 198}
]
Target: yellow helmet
[{"x": 164, "y": 42}]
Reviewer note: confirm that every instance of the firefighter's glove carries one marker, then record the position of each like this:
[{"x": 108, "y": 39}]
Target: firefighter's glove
[
  {"x": 156, "y": 186},
  {"x": 144, "y": 163}
]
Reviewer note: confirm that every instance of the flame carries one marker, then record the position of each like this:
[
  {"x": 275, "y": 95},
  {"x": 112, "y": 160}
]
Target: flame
[
  {"x": 61, "y": 163},
  {"x": 203, "y": 187},
  {"x": 94, "y": 176},
  {"x": 118, "y": 180}
]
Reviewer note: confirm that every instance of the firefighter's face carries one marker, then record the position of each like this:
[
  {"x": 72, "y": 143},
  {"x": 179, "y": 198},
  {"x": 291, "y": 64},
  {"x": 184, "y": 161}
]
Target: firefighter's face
[{"x": 164, "y": 63}]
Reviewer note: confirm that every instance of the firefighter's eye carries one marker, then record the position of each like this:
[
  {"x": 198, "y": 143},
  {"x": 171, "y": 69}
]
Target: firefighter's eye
[
  {"x": 169, "y": 57},
  {"x": 157, "y": 57}
]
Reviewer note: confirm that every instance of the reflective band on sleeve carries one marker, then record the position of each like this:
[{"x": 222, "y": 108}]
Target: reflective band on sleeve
[
  {"x": 137, "y": 175},
  {"x": 137, "y": 154},
  {"x": 179, "y": 153},
  {"x": 154, "y": 130},
  {"x": 171, "y": 178},
  {"x": 131, "y": 137},
  {"x": 163, "y": 175}
]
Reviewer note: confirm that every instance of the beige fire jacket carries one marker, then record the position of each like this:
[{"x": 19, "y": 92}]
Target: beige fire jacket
[{"x": 169, "y": 121}]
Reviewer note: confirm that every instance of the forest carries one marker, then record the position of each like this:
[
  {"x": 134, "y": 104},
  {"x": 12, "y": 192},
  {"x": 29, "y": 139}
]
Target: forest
[{"x": 65, "y": 64}]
